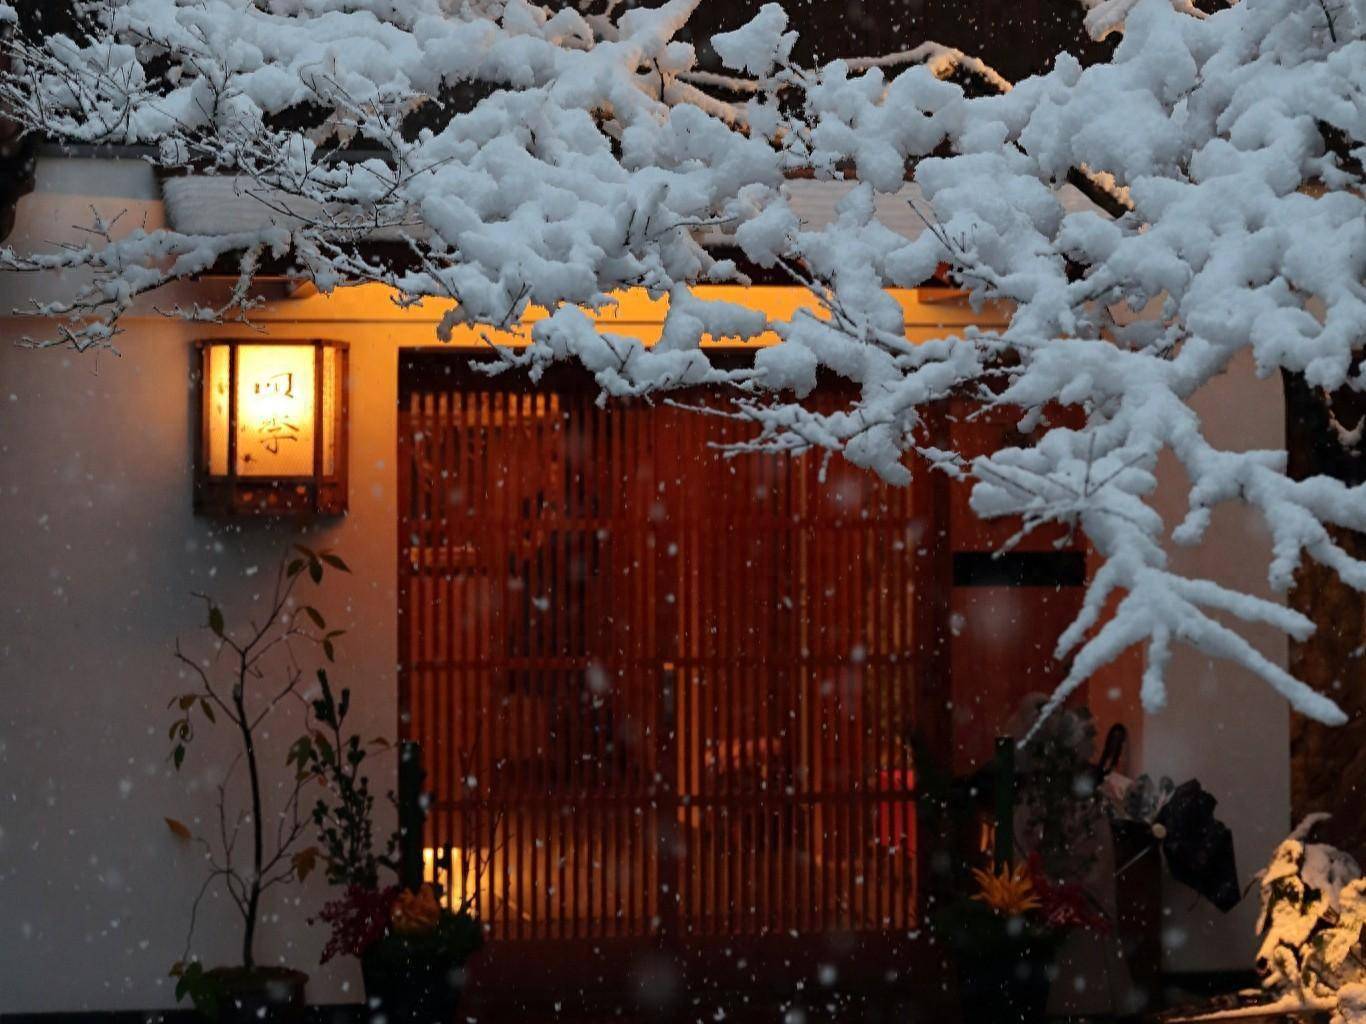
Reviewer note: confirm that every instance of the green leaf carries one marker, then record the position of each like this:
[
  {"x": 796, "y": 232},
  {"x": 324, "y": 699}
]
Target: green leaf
[
  {"x": 304, "y": 862},
  {"x": 207, "y": 708},
  {"x": 216, "y": 620},
  {"x": 334, "y": 561},
  {"x": 178, "y": 755},
  {"x": 187, "y": 701},
  {"x": 329, "y": 650},
  {"x": 301, "y": 751},
  {"x": 315, "y": 571},
  {"x": 294, "y": 568},
  {"x": 179, "y": 829},
  {"x": 203, "y": 990},
  {"x": 315, "y": 615}
]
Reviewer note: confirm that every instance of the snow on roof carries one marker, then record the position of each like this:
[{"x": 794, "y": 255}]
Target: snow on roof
[
  {"x": 210, "y": 204},
  {"x": 814, "y": 203},
  {"x": 201, "y": 204}
]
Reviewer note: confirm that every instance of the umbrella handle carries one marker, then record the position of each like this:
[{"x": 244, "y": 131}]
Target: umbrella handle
[
  {"x": 1112, "y": 751},
  {"x": 1136, "y": 858}
]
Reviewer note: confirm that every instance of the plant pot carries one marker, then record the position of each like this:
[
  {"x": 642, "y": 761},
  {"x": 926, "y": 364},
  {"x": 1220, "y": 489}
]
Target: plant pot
[
  {"x": 412, "y": 990},
  {"x": 1006, "y": 985},
  {"x": 259, "y": 995}
]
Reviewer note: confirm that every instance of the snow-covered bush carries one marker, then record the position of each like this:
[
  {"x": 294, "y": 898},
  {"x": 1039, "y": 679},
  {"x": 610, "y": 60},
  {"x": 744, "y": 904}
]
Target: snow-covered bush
[
  {"x": 1313, "y": 911},
  {"x": 576, "y": 153}
]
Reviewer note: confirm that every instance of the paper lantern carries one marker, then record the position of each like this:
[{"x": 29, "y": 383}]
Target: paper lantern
[{"x": 272, "y": 428}]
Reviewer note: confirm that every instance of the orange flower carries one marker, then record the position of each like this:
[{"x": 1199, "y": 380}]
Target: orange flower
[
  {"x": 1009, "y": 892},
  {"x": 416, "y": 913}
]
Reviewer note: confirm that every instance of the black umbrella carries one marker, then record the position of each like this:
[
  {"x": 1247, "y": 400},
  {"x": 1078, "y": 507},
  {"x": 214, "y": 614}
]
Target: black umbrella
[{"x": 1198, "y": 846}]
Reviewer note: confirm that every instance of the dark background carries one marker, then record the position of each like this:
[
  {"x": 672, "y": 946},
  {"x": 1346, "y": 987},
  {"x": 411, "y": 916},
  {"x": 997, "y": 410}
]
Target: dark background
[{"x": 1017, "y": 37}]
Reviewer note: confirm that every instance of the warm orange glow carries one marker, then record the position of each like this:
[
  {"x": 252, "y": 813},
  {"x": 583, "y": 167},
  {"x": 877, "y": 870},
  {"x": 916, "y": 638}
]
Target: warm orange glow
[
  {"x": 276, "y": 413},
  {"x": 452, "y": 884},
  {"x": 216, "y": 422},
  {"x": 331, "y": 386},
  {"x": 930, "y": 313},
  {"x": 273, "y": 427}
]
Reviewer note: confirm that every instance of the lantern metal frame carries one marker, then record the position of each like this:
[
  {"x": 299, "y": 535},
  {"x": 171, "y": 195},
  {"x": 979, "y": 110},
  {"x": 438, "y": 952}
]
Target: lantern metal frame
[{"x": 233, "y": 494}]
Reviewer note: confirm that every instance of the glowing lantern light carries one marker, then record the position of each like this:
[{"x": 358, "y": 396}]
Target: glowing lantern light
[{"x": 272, "y": 428}]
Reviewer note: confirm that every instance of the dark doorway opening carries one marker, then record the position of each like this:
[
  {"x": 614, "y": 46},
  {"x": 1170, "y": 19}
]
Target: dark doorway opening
[{"x": 666, "y": 696}]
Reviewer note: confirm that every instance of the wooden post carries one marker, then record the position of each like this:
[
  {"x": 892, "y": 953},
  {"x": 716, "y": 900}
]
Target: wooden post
[
  {"x": 412, "y": 814},
  {"x": 931, "y": 568},
  {"x": 1323, "y": 765},
  {"x": 1005, "y": 801},
  {"x": 670, "y": 869}
]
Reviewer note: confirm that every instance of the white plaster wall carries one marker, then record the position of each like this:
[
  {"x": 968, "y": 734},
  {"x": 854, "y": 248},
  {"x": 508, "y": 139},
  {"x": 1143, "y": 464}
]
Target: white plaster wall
[
  {"x": 99, "y": 556},
  {"x": 99, "y": 559},
  {"x": 1222, "y": 725}
]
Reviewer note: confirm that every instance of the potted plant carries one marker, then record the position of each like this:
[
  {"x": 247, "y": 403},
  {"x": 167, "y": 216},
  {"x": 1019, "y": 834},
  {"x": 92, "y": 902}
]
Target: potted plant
[
  {"x": 1005, "y": 936},
  {"x": 246, "y": 671},
  {"x": 411, "y": 947}
]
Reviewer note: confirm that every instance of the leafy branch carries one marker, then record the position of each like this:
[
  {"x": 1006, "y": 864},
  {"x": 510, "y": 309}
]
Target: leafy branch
[{"x": 248, "y": 672}]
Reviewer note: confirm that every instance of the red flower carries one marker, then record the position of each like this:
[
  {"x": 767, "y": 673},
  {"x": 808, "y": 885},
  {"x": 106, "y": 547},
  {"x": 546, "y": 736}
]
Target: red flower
[
  {"x": 1064, "y": 905},
  {"x": 359, "y": 918}
]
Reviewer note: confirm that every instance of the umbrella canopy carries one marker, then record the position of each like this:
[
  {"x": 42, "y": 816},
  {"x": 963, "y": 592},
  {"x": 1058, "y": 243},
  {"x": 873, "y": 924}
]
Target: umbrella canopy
[{"x": 1199, "y": 847}]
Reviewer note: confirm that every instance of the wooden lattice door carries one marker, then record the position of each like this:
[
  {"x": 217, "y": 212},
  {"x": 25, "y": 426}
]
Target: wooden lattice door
[{"x": 663, "y": 694}]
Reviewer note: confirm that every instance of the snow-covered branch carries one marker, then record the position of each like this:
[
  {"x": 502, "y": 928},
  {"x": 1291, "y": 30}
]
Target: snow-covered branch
[{"x": 526, "y": 156}]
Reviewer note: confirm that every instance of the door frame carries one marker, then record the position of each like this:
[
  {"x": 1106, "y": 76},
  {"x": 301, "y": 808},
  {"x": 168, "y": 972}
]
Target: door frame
[{"x": 520, "y": 970}]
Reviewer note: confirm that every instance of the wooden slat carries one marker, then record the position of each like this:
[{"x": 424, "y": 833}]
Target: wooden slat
[{"x": 557, "y": 560}]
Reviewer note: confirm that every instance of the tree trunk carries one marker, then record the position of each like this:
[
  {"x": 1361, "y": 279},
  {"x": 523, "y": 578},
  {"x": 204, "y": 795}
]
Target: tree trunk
[
  {"x": 1328, "y": 764},
  {"x": 254, "y": 775}
]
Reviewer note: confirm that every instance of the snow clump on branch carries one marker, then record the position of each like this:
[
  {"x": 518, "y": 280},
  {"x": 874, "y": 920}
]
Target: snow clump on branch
[{"x": 594, "y": 153}]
